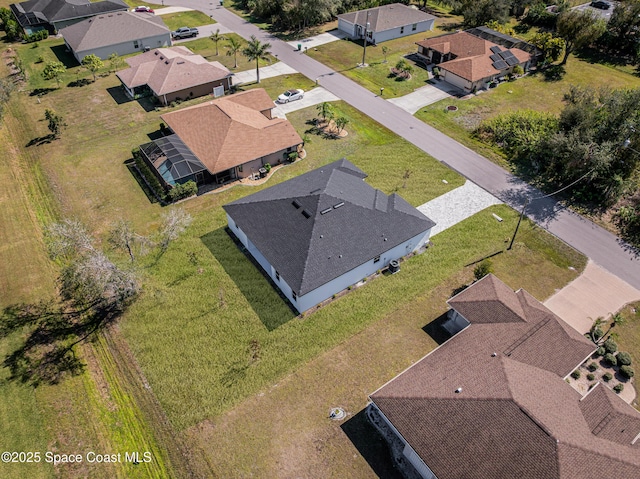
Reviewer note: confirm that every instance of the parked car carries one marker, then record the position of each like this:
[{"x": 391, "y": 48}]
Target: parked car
[
  {"x": 291, "y": 95},
  {"x": 144, "y": 9},
  {"x": 185, "y": 32},
  {"x": 601, "y": 4}
]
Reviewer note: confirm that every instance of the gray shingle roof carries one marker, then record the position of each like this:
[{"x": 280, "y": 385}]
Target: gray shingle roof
[
  {"x": 111, "y": 29},
  {"x": 515, "y": 416},
  {"x": 387, "y": 17},
  {"x": 348, "y": 224},
  {"x": 59, "y": 10}
]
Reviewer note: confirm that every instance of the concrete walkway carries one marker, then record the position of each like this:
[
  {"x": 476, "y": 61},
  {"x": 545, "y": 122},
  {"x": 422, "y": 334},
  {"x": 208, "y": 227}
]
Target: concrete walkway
[
  {"x": 317, "y": 40},
  {"x": 249, "y": 76},
  {"x": 312, "y": 97},
  {"x": 457, "y": 205},
  {"x": 593, "y": 294}
]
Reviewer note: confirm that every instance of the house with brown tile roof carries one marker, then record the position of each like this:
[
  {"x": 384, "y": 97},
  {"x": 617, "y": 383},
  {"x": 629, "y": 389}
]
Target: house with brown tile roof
[
  {"x": 220, "y": 140},
  {"x": 119, "y": 32},
  {"x": 385, "y": 22},
  {"x": 174, "y": 73},
  {"x": 470, "y": 62},
  {"x": 492, "y": 402}
]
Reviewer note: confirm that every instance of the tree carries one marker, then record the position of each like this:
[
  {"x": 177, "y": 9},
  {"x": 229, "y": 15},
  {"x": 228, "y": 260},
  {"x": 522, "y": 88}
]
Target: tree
[
  {"x": 578, "y": 28},
  {"x": 216, "y": 37},
  {"x": 92, "y": 63},
  {"x": 122, "y": 236},
  {"x": 6, "y": 87},
  {"x": 385, "y": 50},
  {"x": 341, "y": 122},
  {"x": 325, "y": 110},
  {"x": 234, "y": 46},
  {"x": 174, "y": 223},
  {"x": 56, "y": 122},
  {"x": 550, "y": 45},
  {"x": 616, "y": 320},
  {"x": 115, "y": 61},
  {"x": 53, "y": 70},
  {"x": 480, "y": 12},
  {"x": 623, "y": 28},
  {"x": 404, "y": 68},
  {"x": 256, "y": 50}
]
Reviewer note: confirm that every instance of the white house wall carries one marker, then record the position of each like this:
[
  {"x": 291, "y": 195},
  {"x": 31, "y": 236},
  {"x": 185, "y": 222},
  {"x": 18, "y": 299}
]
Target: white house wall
[
  {"x": 128, "y": 47},
  {"x": 385, "y": 35},
  {"x": 346, "y": 27}
]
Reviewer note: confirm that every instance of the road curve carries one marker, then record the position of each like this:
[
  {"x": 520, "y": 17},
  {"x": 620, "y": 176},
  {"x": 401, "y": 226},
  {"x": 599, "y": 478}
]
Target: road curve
[{"x": 602, "y": 247}]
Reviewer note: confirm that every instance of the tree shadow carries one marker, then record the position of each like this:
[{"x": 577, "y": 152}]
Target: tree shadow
[
  {"x": 41, "y": 91},
  {"x": 47, "y": 353},
  {"x": 435, "y": 329},
  {"x": 79, "y": 83},
  {"x": 264, "y": 297},
  {"x": 371, "y": 445},
  {"x": 131, "y": 166},
  {"x": 41, "y": 140},
  {"x": 554, "y": 73}
]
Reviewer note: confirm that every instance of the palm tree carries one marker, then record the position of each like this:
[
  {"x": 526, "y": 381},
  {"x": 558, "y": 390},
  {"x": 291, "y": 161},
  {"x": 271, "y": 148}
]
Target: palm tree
[
  {"x": 341, "y": 122},
  {"x": 325, "y": 110},
  {"x": 233, "y": 47},
  {"x": 616, "y": 320},
  {"x": 256, "y": 50},
  {"x": 216, "y": 37}
]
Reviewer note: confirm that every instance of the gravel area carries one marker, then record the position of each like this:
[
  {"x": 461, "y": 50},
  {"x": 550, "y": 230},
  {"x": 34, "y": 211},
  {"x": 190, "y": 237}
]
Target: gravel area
[{"x": 457, "y": 205}]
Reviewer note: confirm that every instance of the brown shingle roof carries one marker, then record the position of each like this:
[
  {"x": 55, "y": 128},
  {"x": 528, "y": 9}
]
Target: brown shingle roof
[
  {"x": 167, "y": 70},
  {"x": 472, "y": 53},
  {"x": 387, "y": 17},
  {"x": 231, "y": 131},
  {"x": 514, "y": 416}
]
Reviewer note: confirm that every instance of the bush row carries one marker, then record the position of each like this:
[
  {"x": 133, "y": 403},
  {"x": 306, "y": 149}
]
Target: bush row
[{"x": 36, "y": 36}]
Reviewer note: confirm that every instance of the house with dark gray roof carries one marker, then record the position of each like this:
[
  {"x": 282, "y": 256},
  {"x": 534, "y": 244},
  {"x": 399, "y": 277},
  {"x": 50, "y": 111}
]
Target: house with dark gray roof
[
  {"x": 122, "y": 33},
  {"x": 385, "y": 22},
  {"x": 492, "y": 402},
  {"x": 53, "y": 15},
  {"x": 321, "y": 232}
]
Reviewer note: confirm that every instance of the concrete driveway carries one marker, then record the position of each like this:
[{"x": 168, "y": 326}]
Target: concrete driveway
[
  {"x": 249, "y": 76},
  {"x": 593, "y": 294},
  {"x": 424, "y": 96},
  {"x": 317, "y": 40},
  {"x": 604, "y": 14},
  {"x": 312, "y": 97}
]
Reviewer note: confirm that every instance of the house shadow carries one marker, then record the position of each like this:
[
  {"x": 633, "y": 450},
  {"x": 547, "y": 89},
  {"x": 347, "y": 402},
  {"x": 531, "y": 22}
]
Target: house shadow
[
  {"x": 371, "y": 445},
  {"x": 64, "y": 56},
  {"x": 118, "y": 94},
  {"x": 436, "y": 331},
  {"x": 264, "y": 297}
]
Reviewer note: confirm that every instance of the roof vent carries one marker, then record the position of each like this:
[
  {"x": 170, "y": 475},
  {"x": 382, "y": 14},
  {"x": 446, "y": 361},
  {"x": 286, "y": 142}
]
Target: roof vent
[
  {"x": 335, "y": 207},
  {"x": 318, "y": 190},
  {"x": 324, "y": 212},
  {"x": 166, "y": 62},
  {"x": 180, "y": 63},
  {"x": 321, "y": 236},
  {"x": 458, "y": 391},
  {"x": 493, "y": 355},
  {"x": 156, "y": 52},
  {"x": 296, "y": 204},
  {"x": 339, "y": 256},
  {"x": 306, "y": 214}
]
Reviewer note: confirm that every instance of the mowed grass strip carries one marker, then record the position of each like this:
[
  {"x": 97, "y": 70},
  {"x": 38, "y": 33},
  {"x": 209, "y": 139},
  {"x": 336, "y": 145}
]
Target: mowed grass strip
[
  {"x": 207, "y": 48},
  {"x": 193, "y": 328},
  {"x": 628, "y": 339},
  {"x": 192, "y": 18}
]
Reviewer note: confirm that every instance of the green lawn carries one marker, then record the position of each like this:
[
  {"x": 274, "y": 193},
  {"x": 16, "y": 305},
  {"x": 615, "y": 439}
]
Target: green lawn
[
  {"x": 628, "y": 339},
  {"x": 191, "y": 18},
  {"x": 207, "y": 48}
]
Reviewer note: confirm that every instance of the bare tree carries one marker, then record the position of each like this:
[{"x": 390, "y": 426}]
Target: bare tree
[
  {"x": 122, "y": 236},
  {"x": 174, "y": 223}
]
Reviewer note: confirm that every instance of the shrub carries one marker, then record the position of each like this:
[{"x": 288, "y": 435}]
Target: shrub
[
  {"x": 610, "y": 346},
  {"x": 293, "y": 156},
  {"x": 267, "y": 166},
  {"x": 618, "y": 388},
  {"x": 183, "y": 190},
  {"x": 591, "y": 376},
  {"x": 624, "y": 358},
  {"x": 39, "y": 35},
  {"x": 610, "y": 359},
  {"x": 575, "y": 374},
  {"x": 600, "y": 351},
  {"x": 627, "y": 372},
  {"x": 482, "y": 269},
  {"x": 592, "y": 367},
  {"x": 40, "y": 59},
  {"x": 607, "y": 377},
  {"x": 596, "y": 334}
]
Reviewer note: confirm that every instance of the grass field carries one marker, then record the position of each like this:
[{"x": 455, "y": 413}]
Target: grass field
[
  {"x": 191, "y": 18},
  {"x": 207, "y": 48},
  {"x": 628, "y": 339}
]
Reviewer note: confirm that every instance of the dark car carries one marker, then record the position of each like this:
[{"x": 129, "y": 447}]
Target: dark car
[{"x": 601, "y": 4}]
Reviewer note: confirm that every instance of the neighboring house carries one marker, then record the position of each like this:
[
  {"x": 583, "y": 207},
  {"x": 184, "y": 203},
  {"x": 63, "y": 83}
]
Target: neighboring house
[
  {"x": 174, "y": 73},
  {"x": 385, "y": 23},
  {"x": 493, "y": 403},
  {"x": 220, "y": 140},
  {"x": 470, "y": 62},
  {"x": 122, "y": 33},
  {"x": 54, "y": 15},
  {"x": 321, "y": 232}
]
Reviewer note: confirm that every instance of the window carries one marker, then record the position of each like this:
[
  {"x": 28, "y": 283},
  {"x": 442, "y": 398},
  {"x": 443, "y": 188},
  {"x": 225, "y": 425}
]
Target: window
[
  {"x": 136, "y": 44},
  {"x": 401, "y": 30},
  {"x": 414, "y": 27},
  {"x": 294, "y": 295},
  {"x": 376, "y": 259},
  {"x": 277, "y": 276},
  {"x": 240, "y": 168}
]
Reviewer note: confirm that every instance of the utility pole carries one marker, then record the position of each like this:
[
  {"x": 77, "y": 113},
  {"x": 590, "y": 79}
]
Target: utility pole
[
  {"x": 513, "y": 238},
  {"x": 366, "y": 31}
]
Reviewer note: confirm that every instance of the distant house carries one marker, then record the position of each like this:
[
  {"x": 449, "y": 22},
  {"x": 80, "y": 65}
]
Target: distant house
[
  {"x": 385, "y": 23},
  {"x": 220, "y": 140},
  {"x": 54, "y": 15},
  {"x": 174, "y": 73},
  {"x": 321, "y": 232},
  {"x": 122, "y": 33},
  {"x": 492, "y": 402},
  {"x": 471, "y": 62}
]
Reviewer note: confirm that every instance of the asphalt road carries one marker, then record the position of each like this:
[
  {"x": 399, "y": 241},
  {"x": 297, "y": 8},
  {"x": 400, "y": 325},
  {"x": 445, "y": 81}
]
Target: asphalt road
[{"x": 598, "y": 244}]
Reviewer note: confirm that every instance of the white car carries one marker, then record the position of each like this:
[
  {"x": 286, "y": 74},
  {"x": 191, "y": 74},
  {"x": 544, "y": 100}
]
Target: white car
[{"x": 291, "y": 95}]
